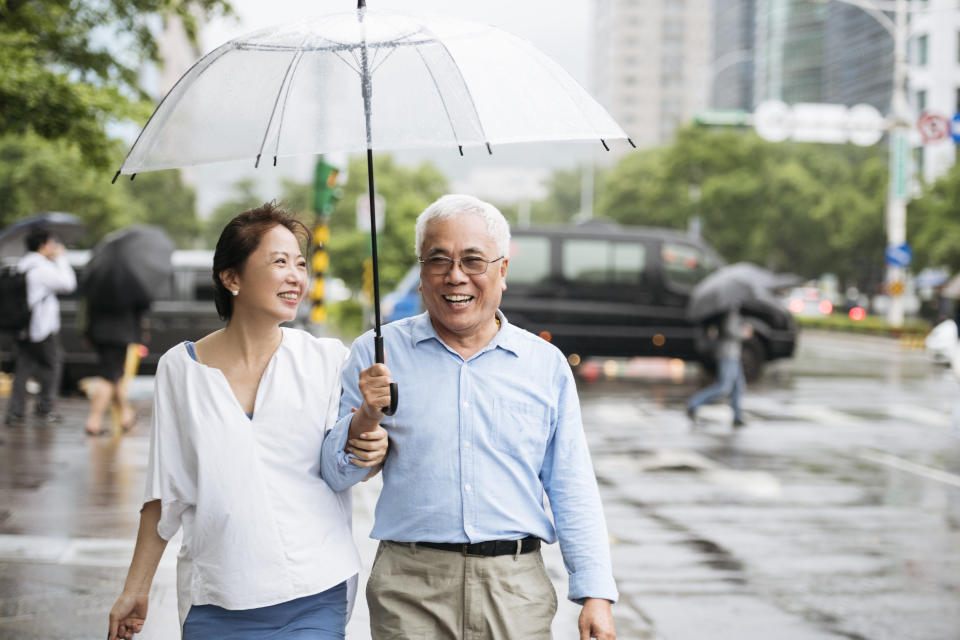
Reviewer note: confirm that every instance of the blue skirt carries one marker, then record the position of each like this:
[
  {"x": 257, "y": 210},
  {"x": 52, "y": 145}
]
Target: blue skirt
[{"x": 322, "y": 616}]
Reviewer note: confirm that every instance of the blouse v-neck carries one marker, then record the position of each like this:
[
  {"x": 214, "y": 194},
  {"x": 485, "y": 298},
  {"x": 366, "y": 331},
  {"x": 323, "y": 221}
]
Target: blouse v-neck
[{"x": 192, "y": 351}]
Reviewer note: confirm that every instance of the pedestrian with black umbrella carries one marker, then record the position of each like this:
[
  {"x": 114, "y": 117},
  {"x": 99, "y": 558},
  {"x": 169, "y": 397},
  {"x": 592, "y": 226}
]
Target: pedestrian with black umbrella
[{"x": 127, "y": 270}]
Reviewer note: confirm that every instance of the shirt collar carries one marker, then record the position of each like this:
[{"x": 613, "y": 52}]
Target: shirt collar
[{"x": 507, "y": 338}]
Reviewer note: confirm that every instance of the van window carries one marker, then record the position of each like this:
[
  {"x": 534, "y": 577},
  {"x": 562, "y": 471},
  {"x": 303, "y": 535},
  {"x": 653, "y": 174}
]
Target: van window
[
  {"x": 529, "y": 260},
  {"x": 685, "y": 264},
  {"x": 603, "y": 261}
]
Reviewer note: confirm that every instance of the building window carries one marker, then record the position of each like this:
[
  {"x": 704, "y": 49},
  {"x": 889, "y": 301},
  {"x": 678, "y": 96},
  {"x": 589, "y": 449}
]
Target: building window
[
  {"x": 922, "y": 51},
  {"x": 921, "y": 100}
]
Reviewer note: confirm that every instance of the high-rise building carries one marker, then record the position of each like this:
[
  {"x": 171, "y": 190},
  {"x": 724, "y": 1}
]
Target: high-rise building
[
  {"x": 934, "y": 86},
  {"x": 858, "y": 58},
  {"x": 651, "y": 60},
  {"x": 789, "y": 43},
  {"x": 731, "y": 70}
]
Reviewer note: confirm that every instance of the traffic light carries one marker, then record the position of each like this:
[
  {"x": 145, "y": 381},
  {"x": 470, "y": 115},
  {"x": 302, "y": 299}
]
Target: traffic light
[
  {"x": 325, "y": 195},
  {"x": 325, "y": 189}
]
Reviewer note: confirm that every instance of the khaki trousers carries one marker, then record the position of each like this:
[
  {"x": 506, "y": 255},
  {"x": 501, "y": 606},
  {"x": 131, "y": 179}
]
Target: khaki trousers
[{"x": 416, "y": 593}]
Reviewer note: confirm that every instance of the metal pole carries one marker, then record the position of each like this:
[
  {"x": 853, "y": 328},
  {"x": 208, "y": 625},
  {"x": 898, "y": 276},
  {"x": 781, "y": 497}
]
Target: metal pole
[{"x": 899, "y": 164}]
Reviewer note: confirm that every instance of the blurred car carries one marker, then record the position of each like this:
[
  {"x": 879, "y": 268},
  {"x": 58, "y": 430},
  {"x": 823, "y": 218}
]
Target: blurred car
[{"x": 808, "y": 302}]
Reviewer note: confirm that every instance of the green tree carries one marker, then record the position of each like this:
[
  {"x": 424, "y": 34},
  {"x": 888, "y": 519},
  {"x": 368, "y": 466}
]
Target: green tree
[
  {"x": 406, "y": 191},
  {"x": 68, "y": 67},
  {"x": 933, "y": 224},
  {"x": 39, "y": 175},
  {"x": 803, "y": 208}
]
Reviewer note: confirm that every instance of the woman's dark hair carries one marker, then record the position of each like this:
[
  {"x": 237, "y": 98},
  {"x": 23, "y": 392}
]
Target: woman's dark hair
[{"x": 240, "y": 238}]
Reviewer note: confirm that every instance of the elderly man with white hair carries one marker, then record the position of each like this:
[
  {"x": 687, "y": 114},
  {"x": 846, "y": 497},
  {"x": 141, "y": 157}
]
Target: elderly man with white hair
[{"x": 488, "y": 421}]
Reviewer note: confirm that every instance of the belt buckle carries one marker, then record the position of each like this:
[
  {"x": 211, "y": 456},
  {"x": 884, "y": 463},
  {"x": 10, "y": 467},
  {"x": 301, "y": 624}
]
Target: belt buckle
[{"x": 467, "y": 554}]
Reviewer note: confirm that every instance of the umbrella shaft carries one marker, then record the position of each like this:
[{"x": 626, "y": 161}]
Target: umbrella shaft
[{"x": 373, "y": 244}]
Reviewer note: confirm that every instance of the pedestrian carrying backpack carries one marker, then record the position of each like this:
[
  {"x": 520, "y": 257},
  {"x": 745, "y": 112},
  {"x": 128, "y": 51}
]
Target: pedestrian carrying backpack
[{"x": 14, "y": 310}]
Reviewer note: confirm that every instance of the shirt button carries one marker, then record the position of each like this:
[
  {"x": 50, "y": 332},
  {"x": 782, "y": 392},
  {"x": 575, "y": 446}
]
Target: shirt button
[
  {"x": 466, "y": 405},
  {"x": 467, "y": 487},
  {"x": 466, "y": 444}
]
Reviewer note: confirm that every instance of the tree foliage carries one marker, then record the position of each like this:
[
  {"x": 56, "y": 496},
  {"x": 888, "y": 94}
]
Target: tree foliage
[
  {"x": 406, "y": 191},
  {"x": 803, "y": 208},
  {"x": 68, "y": 67},
  {"x": 933, "y": 224},
  {"x": 39, "y": 175}
]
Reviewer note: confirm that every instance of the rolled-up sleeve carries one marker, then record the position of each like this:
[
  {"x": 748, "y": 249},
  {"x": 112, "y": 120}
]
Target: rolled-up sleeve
[
  {"x": 567, "y": 475},
  {"x": 335, "y": 466},
  {"x": 172, "y": 467}
]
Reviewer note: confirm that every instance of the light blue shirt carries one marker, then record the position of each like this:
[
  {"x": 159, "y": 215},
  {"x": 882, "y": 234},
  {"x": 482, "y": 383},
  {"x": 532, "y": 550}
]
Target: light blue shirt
[{"x": 475, "y": 444}]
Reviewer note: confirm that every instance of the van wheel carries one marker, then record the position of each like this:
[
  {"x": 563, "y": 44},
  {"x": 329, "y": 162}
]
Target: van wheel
[{"x": 753, "y": 357}]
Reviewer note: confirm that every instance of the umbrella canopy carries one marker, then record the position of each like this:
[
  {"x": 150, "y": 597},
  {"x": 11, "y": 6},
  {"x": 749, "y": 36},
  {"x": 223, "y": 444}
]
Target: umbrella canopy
[
  {"x": 733, "y": 287},
  {"x": 365, "y": 80},
  {"x": 128, "y": 268},
  {"x": 66, "y": 226}
]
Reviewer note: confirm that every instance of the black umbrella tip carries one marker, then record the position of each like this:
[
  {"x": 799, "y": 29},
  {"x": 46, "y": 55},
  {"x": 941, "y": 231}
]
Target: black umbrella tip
[
  {"x": 631, "y": 143},
  {"x": 604, "y": 143},
  {"x": 460, "y": 147},
  {"x": 132, "y": 176},
  {"x": 274, "y": 160},
  {"x": 489, "y": 150},
  {"x": 256, "y": 163},
  {"x": 115, "y": 176},
  {"x": 361, "y": 4}
]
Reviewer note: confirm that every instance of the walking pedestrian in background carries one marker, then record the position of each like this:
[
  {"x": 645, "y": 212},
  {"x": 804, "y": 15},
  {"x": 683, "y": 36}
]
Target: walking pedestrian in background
[
  {"x": 730, "y": 381},
  {"x": 239, "y": 418},
  {"x": 110, "y": 332},
  {"x": 38, "y": 351}
]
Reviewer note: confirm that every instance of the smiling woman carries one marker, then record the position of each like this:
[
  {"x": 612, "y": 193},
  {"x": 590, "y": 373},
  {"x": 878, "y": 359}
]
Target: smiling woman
[{"x": 253, "y": 397}]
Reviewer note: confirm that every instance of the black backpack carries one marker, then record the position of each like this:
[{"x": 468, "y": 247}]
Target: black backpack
[{"x": 14, "y": 310}]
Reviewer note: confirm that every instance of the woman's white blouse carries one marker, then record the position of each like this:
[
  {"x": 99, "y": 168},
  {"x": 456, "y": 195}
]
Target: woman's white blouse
[{"x": 260, "y": 526}]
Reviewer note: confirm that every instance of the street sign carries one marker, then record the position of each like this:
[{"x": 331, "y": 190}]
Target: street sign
[
  {"x": 933, "y": 126},
  {"x": 776, "y": 121},
  {"x": 899, "y": 255},
  {"x": 722, "y": 118}
]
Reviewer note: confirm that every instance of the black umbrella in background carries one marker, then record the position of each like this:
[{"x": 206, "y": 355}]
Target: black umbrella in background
[
  {"x": 128, "y": 268},
  {"x": 733, "y": 287},
  {"x": 65, "y": 226}
]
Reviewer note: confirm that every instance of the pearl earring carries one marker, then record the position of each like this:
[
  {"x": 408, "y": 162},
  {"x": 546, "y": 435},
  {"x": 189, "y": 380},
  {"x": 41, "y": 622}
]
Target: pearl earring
[{"x": 236, "y": 292}]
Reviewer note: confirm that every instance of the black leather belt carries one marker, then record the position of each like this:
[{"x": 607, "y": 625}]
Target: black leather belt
[{"x": 486, "y": 549}]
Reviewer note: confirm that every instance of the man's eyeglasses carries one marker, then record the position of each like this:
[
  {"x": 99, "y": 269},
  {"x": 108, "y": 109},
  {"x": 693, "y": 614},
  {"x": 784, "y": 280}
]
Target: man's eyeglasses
[{"x": 441, "y": 265}]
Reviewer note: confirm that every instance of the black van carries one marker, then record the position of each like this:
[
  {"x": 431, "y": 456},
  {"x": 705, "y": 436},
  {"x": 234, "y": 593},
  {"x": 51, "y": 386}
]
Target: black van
[{"x": 601, "y": 289}]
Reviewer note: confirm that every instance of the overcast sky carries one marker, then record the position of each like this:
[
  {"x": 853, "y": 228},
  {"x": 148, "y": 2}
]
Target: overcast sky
[{"x": 559, "y": 29}]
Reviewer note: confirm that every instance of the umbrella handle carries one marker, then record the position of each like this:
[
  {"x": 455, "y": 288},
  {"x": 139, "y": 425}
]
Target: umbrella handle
[{"x": 394, "y": 390}]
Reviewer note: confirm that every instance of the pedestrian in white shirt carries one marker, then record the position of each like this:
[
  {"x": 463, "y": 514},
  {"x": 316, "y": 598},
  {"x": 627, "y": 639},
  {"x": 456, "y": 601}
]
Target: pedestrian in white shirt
[
  {"x": 239, "y": 418},
  {"x": 38, "y": 347}
]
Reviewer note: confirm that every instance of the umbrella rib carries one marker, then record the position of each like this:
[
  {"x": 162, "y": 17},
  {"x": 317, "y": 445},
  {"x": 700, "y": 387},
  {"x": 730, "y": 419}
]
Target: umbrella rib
[
  {"x": 284, "y": 91},
  {"x": 376, "y": 65},
  {"x": 443, "y": 102},
  {"x": 356, "y": 68},
  {"x": 283, "y": 110},
  {"x": 466, "y": 88}
]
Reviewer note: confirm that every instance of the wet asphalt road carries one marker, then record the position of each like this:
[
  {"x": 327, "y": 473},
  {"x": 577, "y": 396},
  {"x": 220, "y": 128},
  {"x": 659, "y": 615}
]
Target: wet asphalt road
[{"x": 834, "y": 514}]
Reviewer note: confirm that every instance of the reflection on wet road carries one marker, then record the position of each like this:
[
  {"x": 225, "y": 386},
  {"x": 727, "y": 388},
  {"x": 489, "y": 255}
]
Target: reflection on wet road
[{"x": 834, "y": 514}]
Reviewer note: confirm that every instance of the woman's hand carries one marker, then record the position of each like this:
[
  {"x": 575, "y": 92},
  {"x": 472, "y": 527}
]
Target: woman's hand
[
  {"x": 127, "y": 616},
  {"x": 369, "y": 448}
]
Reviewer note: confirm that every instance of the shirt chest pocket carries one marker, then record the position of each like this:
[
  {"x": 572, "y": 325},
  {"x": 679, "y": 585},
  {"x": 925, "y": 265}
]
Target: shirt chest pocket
[{"x": 521, "y": 429}]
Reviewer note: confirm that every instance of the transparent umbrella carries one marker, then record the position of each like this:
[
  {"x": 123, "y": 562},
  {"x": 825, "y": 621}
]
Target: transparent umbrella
[{"x": 366, "y": 80}]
